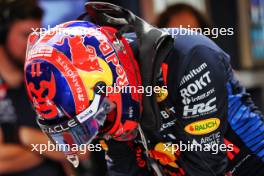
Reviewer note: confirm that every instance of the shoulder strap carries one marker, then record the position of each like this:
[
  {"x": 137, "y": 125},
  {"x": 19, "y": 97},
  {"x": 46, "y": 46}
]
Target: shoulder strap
[{"x": 154, "y": 49}]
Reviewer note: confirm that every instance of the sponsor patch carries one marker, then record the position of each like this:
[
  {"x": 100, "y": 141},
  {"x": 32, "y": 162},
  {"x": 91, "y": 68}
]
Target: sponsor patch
[
  {"x": 212, "y": 139},
  {"x": 166, "y": 113},
  {"x": 60, "y": 128},
  {"x": 168, "y": 124},
  {"x": 193, "y": 73},
  {"x": 203, "y": 126},
  {"x": 188, "y": 100},
  {"x": 197, "y": 85},
  {"x": 162, "y": 95},
  {"x": 192, "y": 111}
]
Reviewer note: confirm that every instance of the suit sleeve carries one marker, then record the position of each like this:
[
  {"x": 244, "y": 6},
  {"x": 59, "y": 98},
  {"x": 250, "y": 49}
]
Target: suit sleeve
[{"x": 200, "y": 97}]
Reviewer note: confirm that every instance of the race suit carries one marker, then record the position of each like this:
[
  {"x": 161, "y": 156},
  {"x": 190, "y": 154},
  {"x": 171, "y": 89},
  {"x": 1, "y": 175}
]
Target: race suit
[{"x": 204, "y": 106}]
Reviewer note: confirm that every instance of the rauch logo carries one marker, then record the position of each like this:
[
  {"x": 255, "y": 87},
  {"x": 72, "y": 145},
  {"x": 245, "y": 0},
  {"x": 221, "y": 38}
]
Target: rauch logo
[{"x": 203, "y": 126}]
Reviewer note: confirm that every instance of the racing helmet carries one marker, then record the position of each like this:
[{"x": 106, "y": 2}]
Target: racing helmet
[{"x": 72, "y": 73}]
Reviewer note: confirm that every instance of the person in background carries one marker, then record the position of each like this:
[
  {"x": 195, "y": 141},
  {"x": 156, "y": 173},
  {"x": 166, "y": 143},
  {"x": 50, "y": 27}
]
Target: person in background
[
  {"x": 182, "y": 15},
  {"x": 18, "y": 128}
]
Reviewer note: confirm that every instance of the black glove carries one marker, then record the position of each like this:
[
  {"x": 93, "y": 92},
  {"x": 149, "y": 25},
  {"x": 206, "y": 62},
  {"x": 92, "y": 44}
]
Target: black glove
[{"x": 106, "y": 14}]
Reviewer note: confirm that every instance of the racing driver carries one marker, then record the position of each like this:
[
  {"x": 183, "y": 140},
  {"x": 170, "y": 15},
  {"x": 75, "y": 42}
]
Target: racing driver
[{"x": 72, "y": 70}]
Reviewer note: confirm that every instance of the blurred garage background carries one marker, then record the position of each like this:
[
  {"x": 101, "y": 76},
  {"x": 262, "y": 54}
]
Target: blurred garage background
[{"x": 245, "y": 46}]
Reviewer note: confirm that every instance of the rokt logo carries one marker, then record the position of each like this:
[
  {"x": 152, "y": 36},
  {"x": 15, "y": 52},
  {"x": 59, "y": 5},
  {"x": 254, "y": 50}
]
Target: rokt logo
[{"x": 197, "y": 85}]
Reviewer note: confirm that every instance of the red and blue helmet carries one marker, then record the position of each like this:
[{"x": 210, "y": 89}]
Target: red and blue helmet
[{"x": 65, "y": 70}]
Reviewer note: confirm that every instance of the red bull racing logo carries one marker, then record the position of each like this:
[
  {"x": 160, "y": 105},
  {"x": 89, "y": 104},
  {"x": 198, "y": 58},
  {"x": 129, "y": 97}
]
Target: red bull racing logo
[{"x": 83, "y": 57}]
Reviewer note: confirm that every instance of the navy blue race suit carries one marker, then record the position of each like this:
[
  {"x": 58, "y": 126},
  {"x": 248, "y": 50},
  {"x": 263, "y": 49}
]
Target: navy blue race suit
[{"x": 206, "y": 106}]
